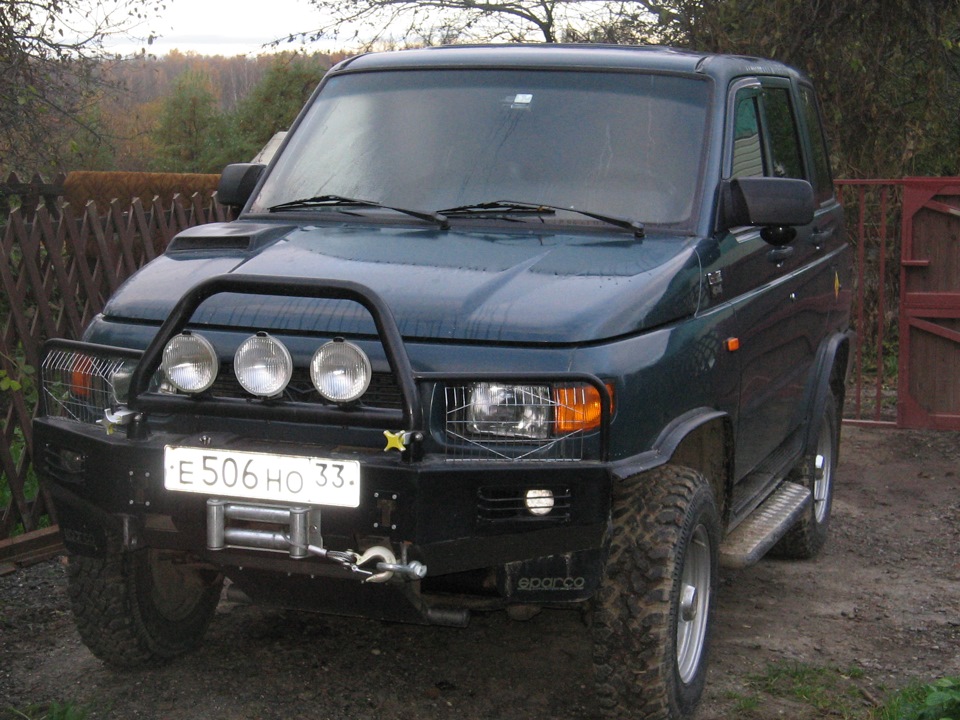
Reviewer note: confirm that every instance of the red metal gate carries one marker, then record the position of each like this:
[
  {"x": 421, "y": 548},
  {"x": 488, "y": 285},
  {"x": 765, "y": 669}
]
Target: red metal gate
[{"x": 929, "y": 363}]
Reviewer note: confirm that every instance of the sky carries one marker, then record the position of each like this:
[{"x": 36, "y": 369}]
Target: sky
[{"x": 223, "y": 27}]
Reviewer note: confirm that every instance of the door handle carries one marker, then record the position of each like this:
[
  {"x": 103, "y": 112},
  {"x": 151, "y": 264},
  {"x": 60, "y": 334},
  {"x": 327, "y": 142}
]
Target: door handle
[
  {"x": 819, "y": 236},
  {"x": 780, "y": 254}
]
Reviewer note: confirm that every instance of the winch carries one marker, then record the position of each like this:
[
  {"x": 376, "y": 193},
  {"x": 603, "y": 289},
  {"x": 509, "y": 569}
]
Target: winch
[{"x": 295, "y": 539}]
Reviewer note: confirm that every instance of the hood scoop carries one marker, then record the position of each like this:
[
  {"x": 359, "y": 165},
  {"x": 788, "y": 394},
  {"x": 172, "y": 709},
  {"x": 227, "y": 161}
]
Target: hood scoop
[{"x": 242, "y": 237}]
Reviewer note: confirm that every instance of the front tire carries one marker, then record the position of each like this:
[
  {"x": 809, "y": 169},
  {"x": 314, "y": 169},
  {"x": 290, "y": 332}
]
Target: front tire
[
  {"x": 651, "y": 618},
  {"x": 137, "y": 608}
]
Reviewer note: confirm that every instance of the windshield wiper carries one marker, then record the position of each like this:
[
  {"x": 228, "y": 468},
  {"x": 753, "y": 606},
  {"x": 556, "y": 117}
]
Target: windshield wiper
[
  {"x": 498, "y": 208},
  {"x": 340, "y": 201},
  {"x": 502, "y": 208}
]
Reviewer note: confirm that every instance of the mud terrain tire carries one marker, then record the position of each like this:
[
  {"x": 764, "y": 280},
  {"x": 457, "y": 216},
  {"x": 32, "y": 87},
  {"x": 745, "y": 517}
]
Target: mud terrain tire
[
  {"x": 650, "y": 637},
  {"x": 805, "y": 539},
  {"x": 138, "y": 608}
]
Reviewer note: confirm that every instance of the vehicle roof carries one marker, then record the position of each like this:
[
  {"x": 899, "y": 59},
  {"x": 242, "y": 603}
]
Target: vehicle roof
[{"x": 574, "y": 57}]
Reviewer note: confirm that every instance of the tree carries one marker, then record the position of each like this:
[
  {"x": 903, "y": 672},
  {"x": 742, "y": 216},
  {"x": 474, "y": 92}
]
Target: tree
[
  {"x": 887, "y": 70},
  {"x": 272, "y": 105},
  {"x": 49, "y": 70},
  {"x": 438, "y": 22},
  {"x": 190, "y": 128}
]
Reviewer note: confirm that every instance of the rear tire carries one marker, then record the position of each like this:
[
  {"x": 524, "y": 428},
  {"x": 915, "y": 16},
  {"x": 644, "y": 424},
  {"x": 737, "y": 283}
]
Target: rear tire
[
  {"x": 651, "y": 618},
  {"x": 805, "y": 539},
  {"x": 137, "y": 608}
]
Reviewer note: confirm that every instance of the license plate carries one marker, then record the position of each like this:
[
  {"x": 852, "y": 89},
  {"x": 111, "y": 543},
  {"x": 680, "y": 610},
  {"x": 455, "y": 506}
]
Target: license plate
[{"x": 262, "y": 476}]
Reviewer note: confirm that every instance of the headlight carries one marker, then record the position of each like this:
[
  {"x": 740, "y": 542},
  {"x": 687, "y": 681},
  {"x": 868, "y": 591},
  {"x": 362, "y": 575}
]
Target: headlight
[
  {"x": 190, "y": 363},
  {"x": 519, "y": 411},
  {"x": 340, "y": 371},
  {"x": 263, "y": 365}
]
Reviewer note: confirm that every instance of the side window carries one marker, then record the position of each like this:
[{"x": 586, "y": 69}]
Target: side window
[
  {"x": 747, "y": 150},
  {"x": 822, "y": 180},
  {"x": 786, "y": 158}
]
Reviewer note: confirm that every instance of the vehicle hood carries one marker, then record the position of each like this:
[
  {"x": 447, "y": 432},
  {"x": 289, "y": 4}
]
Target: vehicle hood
[{"x": 492, "y": 286}]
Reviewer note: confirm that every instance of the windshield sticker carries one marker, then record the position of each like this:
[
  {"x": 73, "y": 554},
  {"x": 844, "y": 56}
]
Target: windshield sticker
[{"x": 519, "y": 101}]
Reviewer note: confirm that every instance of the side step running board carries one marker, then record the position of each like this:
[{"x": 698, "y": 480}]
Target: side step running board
[{"x": 752, "y": 538}]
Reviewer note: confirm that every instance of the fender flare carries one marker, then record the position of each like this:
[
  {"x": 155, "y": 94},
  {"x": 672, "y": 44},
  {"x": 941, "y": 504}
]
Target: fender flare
[
  {"x": 670, "y": 438},
  {"x": 836, "y": 348}
]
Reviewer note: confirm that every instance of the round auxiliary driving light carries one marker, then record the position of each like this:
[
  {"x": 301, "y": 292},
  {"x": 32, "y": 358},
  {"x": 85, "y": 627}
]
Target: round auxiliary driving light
[
  {"x": 539, "y": 501},
  {"x": 190, "y": 363},
  {"x": 340, "y": 371},
  {"x": 263, "y": 365}
]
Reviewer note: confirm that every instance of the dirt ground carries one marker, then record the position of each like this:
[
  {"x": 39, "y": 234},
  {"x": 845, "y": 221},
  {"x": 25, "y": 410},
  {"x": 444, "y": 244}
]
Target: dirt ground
[{"x": 882, "y": 604}]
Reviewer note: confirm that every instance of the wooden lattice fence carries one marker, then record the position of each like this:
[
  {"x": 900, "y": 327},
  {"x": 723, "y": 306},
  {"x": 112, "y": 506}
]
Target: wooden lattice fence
[{"x": 57, "y": 269}]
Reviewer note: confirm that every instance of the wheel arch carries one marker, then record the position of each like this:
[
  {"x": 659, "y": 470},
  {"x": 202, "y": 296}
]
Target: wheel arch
[
  {"x": 828, "y": 380},
  {"x": 701, "y": 439}
]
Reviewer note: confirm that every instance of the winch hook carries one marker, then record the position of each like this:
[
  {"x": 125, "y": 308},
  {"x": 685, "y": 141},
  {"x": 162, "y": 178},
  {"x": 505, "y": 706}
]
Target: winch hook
[{"x": 383, "y": 556}]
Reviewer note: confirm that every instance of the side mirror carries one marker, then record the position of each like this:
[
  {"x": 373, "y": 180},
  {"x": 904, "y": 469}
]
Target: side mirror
[
  {"x": 237, "y": 183},
  {"x": 777, "y": 205}
]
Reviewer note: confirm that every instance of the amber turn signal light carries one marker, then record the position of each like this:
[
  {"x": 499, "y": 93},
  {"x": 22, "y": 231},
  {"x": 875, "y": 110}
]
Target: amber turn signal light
[
  {"x": 579, "y": 407},
  {"x": 81, "y": 376}
]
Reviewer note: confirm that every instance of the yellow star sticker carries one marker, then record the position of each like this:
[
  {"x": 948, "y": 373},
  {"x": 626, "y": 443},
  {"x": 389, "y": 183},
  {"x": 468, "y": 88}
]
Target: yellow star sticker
[{"x": 394, "y": 441}]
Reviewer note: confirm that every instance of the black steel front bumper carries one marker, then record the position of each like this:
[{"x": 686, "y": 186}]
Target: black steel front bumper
[{"x": 453, "y": 517}]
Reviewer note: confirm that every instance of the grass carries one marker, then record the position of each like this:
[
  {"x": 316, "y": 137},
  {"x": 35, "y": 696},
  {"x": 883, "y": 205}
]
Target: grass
[
  {"x": 832, "y": 690},
  {"x": 47, "y": 711},
  {"x": 845, "y": 693}
]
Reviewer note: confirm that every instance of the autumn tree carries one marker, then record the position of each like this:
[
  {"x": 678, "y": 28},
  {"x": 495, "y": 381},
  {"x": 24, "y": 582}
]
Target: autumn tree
[{"x": 50, "y": 62}]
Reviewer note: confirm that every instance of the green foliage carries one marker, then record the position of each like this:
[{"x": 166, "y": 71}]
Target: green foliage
[
  {"x": 189, "y": 127},
  {"x": 193, "y": 135},
  {"x": 886, "y": 71},
  {"x": 47, "y": 711},
  {"x": 20, "y": 379},
  {"x": 271, "y": 106},
  {"x": 91, "y": 146},
  {"x": 840, "y": 693},
  {"x": 937, "y": 701}
]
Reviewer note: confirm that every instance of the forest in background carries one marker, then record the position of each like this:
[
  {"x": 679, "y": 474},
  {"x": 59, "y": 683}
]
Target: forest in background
[{"x": 186, "y": 112}]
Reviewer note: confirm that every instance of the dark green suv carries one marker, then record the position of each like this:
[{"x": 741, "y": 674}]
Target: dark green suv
[{"x": 498, "y": 327}]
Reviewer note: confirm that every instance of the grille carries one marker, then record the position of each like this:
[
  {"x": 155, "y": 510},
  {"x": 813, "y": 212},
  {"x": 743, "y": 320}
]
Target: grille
[
  {"x": 502, "y": 505},
  {"x": 382, "y": 393},
  {"x": 80, "y": 386},
  {"x": 529, "y": 425}
]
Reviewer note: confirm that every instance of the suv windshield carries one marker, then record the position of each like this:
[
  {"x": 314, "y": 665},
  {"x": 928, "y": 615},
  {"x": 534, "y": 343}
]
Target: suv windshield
[{"x": 620, "y": 144}]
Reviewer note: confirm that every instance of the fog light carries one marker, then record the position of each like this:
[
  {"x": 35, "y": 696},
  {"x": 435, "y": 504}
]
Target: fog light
[
  {"x": 72, "y": 462},
  {"x": 539, "y": 501},
  {"x": 190, "y": 363},
  {"x": 340, "y": 371},
  {"x": 263, "y": 365}
]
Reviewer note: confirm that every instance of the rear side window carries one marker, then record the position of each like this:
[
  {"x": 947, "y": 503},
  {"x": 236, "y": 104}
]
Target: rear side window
[{"x": 822, "y": 180}]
